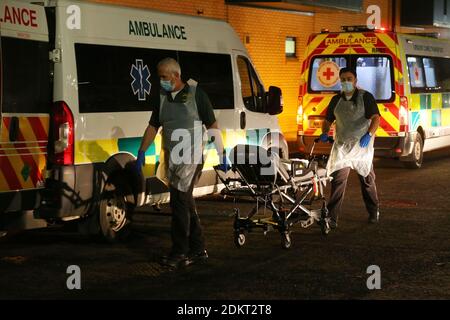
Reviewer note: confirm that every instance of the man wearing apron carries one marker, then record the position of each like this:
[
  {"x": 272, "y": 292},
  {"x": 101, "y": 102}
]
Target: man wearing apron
[
  {"x": 183, "y": 110},
  {"x": 357, "y": 119}
]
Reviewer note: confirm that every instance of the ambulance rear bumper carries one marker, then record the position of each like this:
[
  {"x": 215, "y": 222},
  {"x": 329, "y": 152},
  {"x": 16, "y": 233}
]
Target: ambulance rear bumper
[{"x": 69, "y": 192}]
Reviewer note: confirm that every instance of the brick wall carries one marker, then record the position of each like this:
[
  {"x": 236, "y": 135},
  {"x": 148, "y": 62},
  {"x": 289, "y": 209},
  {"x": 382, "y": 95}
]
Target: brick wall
[{"x": 267, "y": 31}]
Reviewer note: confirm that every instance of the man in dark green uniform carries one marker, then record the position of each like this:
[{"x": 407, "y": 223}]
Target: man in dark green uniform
[{"x": 183, "y": 111}]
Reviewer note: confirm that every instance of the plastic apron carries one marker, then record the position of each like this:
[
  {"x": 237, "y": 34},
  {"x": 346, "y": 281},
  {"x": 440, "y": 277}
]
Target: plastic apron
[
  {"x": 182, "y": 139},
  {"x": 351, "y": 125}
]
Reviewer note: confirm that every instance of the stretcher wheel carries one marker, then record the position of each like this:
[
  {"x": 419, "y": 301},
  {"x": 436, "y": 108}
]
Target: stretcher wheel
[
  {"x": 286, "y": 241},
  {"x": 325, "y": 227},
  {"x": 239, "y": 239}
]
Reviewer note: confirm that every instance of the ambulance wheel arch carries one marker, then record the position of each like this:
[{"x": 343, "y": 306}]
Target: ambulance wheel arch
[
  {"x": 416, "y": 158},
  {"x": 276, "y": 142},
  {"x": 118, "y": 197},
  {"x": 121, "y": 164}
]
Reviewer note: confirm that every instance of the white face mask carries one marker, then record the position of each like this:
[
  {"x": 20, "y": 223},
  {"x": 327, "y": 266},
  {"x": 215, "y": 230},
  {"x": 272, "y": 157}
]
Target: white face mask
[{"x": 347, "y": 87}]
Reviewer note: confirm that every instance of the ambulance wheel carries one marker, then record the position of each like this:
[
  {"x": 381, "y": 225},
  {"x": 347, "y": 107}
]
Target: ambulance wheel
[
  {"x": 3, "y": 234},
  {"x": 286, "y": 241},
  {"x": 417, "y": 154},
  {"x": 239, "y": 239},
  {"x": 114, "y": 213}
]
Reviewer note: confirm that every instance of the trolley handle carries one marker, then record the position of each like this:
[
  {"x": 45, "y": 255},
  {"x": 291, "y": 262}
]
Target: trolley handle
[
  {"x": 316, "y": 140},
  {"x": 223, "y": 175},
  {"x": 330, "y": 140}
]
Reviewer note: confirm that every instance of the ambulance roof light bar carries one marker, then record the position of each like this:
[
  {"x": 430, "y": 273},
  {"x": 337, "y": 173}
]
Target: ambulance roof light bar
[{"x": 355, "y": 28}]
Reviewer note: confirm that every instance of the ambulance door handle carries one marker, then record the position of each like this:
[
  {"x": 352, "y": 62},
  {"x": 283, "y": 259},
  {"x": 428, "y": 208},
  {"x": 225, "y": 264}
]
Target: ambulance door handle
[
  {"x": 243, "y": 120},
  {"x": 14, "y": 129}
]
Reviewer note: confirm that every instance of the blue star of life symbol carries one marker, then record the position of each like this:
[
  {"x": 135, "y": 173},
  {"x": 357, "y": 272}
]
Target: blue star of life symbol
[{"x": 140, "y": 74}]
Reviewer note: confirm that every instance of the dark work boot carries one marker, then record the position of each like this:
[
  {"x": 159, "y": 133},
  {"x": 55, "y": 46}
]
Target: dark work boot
[
  {"x": 374, "y": 217},
  {"x": 333, "y": 224},
  {"x": 197, "y": 257},
  {"x": 174, "y": 261}
]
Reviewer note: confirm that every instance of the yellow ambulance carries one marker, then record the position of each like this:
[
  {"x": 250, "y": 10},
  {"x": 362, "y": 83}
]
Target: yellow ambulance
[{"x": 409, "y": 76}]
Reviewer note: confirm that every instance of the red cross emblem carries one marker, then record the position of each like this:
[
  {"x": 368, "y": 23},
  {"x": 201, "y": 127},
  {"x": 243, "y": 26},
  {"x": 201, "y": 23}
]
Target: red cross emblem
[{"x": 327, "y": 74}]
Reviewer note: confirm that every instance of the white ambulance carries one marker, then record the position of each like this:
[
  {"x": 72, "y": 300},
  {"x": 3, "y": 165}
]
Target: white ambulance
[{"x": 103, "y": 80}]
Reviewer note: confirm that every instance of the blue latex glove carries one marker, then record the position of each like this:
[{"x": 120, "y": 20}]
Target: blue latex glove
[
  {"x": 140, "y": 161},
  {"x": 224, "y": 164},
  {"x": 323, "y": 137},
  {"x": 365, "y": 140}
]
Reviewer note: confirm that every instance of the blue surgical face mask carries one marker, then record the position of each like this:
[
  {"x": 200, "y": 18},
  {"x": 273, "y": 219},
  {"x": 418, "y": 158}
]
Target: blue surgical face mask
[
  {"x": 347, "y": 87},
  {"x": 167, "y": 85}
]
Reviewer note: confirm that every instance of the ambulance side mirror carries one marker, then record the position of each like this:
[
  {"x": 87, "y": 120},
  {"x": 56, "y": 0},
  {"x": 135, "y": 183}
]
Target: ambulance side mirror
[{"x": 274, "y": 101}]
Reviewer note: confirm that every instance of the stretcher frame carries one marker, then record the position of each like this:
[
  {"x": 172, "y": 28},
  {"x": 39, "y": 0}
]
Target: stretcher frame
[{"x": 290, "y": 198}]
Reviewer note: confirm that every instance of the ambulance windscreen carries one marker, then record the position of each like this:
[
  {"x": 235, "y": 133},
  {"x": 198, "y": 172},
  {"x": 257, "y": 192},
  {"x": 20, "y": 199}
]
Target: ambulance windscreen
[{"x": 374, "y": 74}]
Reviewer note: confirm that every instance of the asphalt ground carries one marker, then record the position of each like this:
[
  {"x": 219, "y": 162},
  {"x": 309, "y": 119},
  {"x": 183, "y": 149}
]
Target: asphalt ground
[{"x": 410, "y": 246}]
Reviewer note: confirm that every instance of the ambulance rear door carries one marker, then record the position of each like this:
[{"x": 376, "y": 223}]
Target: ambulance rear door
[{"x": 25, "y": 103}]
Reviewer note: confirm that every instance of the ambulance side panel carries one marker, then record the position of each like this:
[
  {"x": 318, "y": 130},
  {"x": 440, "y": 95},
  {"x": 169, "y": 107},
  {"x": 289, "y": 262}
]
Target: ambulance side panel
[{"x": 427, "y": 86}]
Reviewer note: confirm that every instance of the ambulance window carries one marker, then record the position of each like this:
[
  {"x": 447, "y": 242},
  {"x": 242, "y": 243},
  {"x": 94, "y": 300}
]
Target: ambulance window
[
  {"x": 26, "y": 76},
  {"x": 442, "y": 68},
  {"x": 430, "y": 74},
  {"x": 118, "y": 79},
  {"x": 324, "y": 73},
  {"x": 415, "y": 70},
  {"x": 252, "y": 90},
  {"x": 213, "y": 73},
  {"x": 374, "y": 74}
]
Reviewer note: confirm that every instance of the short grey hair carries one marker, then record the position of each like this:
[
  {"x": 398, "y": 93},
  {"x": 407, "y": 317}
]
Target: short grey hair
[{"x": 170, "y": 64}]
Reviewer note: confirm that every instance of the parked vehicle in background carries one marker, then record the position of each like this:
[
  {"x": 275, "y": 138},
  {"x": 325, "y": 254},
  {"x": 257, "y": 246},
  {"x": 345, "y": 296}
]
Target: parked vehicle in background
[{"x": 409, "y": 75}]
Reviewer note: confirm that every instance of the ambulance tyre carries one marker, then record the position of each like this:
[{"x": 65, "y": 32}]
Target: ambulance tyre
[
  {"x": 417, "y": 154},
  {"x": 114, "y": 212}
]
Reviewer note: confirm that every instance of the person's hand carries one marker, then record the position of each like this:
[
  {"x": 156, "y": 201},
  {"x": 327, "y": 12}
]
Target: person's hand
[
  {"x": 365, "y": 140},
  {"x": 224, "y": 164},
  {"x": 140, "y": 161},
  {"x": 323, "y": 137}
]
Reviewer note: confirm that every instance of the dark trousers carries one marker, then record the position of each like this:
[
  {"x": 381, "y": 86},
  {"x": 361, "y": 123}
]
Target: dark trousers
[
  {"x": 186, "y": 231},
  {"x": 338, "y": 185}
]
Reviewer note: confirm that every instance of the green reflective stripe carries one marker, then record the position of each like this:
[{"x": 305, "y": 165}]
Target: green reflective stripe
[
  {"x": 425, "y": 101},
  {"x": 436, "y": 118},
  {"x": 446, "y": 100},
  {"x": 132, "y": 145},
  {"x": 415, "y": 120}
]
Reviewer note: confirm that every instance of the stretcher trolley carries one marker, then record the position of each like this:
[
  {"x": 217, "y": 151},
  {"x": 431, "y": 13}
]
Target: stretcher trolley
[{"x": 287, "y": 191}]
